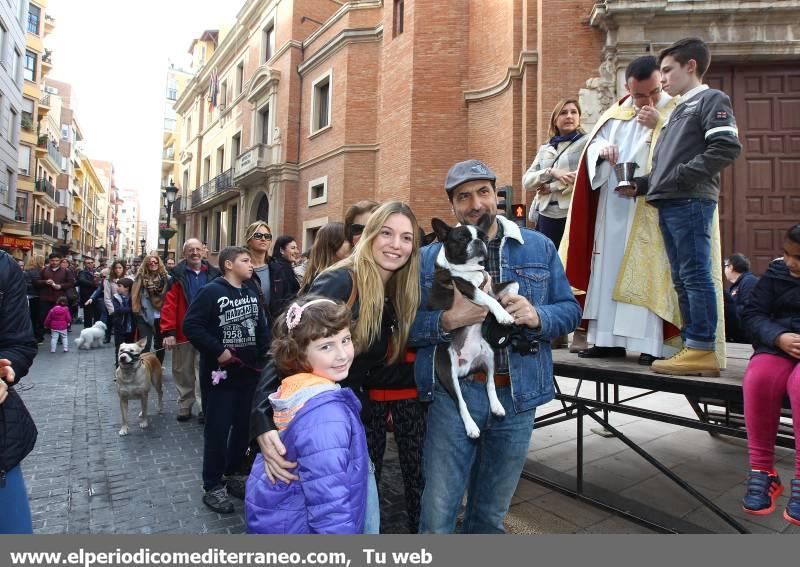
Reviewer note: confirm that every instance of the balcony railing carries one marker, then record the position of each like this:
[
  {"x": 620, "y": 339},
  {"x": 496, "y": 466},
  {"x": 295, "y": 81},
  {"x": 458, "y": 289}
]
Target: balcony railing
[
  {"x": 44, "y": 186},
  {"x": 47, "y": 57},
  {"x": 3, "y": 191},
  {"x": 169, "y": 153},
  {"x": 45, "y": 100},
  {"x": 52, "y": 150},
  {"x": 45, "y": 228},
  {"x": 220, "y": 184}
]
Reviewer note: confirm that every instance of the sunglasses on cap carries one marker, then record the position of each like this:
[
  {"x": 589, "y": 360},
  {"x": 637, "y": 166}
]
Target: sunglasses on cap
[{"x": 262, "y": 236}]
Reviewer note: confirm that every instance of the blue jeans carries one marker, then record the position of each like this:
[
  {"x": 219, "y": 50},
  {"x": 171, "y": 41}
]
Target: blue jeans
[
  {"x": 16, "y": 513},
  {"x": 372, "y": 520},
  {"x": 686, "y": 227},
  {"x": 488, "y": 467}
]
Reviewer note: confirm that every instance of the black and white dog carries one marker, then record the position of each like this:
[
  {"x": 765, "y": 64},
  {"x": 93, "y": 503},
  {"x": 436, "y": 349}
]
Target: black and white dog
[{"x": 460, "y": 265}]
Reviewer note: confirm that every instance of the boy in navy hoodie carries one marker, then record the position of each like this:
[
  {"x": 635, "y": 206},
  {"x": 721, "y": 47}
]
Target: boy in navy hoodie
[
  {"x": 123, "y": 318},
  {"x": 225, "y": 324},
  {"x": 699, "y": 140}
]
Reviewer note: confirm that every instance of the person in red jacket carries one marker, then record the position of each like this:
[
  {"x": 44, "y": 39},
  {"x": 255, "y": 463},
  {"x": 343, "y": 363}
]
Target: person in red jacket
[{"x": 188, "y": 277}]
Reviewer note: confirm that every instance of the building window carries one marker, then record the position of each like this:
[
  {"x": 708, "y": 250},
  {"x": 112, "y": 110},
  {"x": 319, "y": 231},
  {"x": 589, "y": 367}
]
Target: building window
[
  {"x": 263, "y": 125},
  {"x": 30, "y": 66},
  {"x": 321, "y": 104},
  {"x": 21, "y": 208},
  {"x": 269, "y": 41},
  {"x": 3, "y": 46},
  {"x": 188, "y": 128},
  {"x": 233, "y": 215},
  {"x": 172, "y": 94},
  {"x": 217, "y": 231},
  {"x": 223, "y": 95},
  {"x": 15, "y": 59},
  {"x": 204, "y": 229},
  {"x": 236, "y": 148},
  {"x": 34, "y": 15},
  {"x": 399, "y": 13},
  {"x": 239, "y": 78},
  {"x": 27, "y": 113},
  {"x": 13, "y": 131},
  {"x": 206, "y": 169},
  {"x": 318, "y": 191},
  {"x": 220, "y": 159},
  {"x": 185, "y": 181}
]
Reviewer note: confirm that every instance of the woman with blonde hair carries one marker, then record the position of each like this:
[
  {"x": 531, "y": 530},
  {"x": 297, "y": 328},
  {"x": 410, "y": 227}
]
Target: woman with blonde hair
[
  {"x": 147, "y": 298},
  {"x": 379, "y": 281},
  {"x": 552, "y": 174},
  {"x": 329, "y": 247},
  {"x": 258, "y": 239}
]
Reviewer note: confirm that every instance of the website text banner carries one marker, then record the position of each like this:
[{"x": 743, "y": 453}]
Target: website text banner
[{"x": 394, "y": 551}]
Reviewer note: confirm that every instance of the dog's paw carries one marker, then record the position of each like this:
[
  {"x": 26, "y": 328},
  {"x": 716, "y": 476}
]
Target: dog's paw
[
  {"x": 123, "y": 431},
  {"x": 472, "y": 430},
  {"x": 497, "y": 408},
  {"x": 144, "y": 423},
  {"x": 505, "y": 318}
]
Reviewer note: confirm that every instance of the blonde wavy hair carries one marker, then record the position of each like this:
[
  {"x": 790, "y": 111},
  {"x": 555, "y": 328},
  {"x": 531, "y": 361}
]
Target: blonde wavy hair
[
  {"x": 402, "y": 288},
  {"x": 35, "y": 262},
  {"x": 143, "y": 270}
]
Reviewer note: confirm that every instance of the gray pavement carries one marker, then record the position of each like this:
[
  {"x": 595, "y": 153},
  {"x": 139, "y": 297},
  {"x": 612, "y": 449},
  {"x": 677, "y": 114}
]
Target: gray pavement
[{"x": 83, "y": 478}]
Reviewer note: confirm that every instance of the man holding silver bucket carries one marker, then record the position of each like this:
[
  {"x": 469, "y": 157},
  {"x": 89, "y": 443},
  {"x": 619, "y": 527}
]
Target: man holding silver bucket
[{"x": 613, "y": 250}]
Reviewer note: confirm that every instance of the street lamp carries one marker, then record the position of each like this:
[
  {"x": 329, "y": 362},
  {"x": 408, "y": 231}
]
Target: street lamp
[
  {"x": 101, "y": 250},
  {"x": 143, "y": 242},
  {"x": 65, "y": 231},
  {"x": 167, "y": 232}
]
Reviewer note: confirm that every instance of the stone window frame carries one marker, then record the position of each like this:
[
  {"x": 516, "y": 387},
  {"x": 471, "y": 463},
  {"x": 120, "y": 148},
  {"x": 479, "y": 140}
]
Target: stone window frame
[
  {"x": 313, "y": 130},
  {"x": 322, "y": 199}
]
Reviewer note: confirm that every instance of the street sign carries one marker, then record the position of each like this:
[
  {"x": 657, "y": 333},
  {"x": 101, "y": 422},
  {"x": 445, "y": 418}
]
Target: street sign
[{"x": 518, "y": 212}]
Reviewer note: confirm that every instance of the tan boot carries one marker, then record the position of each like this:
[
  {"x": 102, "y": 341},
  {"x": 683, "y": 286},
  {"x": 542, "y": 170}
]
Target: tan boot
[
  {"x": 578, "y": 341},
  {"x": 689, "y": 362}
]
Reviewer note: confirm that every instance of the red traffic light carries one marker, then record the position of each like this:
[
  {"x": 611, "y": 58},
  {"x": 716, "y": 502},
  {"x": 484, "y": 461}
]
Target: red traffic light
[{"x": 518, "y": 211}]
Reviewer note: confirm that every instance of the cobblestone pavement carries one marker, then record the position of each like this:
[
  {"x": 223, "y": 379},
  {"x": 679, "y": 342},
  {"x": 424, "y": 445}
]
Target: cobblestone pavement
[{"x": 83, "y": 478}]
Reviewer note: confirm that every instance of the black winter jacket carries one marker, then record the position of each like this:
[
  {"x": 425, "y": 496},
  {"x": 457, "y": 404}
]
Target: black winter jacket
[
  {"x": 87, "y": 283},
  {"x": 17, "y": 344},
  {"x": 773, "y": 309},
  {"x": 369, "y": 369},
  {"x": 283, "y": 285}
]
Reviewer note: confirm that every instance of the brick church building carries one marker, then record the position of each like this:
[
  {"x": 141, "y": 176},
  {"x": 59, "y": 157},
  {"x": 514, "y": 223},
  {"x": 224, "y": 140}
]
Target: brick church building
[{"x": 324, "y": 103}]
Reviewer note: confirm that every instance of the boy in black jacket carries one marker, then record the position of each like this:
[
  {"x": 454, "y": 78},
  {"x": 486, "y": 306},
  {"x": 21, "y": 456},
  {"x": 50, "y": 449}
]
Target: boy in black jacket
[
  {"x": 227, "y": 326},
  {"x": 699, "y": 140}
]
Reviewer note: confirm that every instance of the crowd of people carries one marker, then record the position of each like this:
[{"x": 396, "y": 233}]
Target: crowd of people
[{"x": 299, "y": 365}]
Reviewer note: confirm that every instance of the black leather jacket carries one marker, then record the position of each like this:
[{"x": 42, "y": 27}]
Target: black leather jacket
[{"x": 17, "y": 344}]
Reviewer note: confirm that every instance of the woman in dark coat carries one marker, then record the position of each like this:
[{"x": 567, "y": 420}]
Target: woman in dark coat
[{"x": 283, "y": 282}]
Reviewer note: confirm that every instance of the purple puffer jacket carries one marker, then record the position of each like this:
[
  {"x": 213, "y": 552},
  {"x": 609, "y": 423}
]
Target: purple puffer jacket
[{"x": 327, "y": 440}]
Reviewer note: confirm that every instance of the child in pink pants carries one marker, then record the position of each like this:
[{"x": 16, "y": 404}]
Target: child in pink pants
[
  {"x": 772, "y": 316},
  {"x": 58, "y": 321}
]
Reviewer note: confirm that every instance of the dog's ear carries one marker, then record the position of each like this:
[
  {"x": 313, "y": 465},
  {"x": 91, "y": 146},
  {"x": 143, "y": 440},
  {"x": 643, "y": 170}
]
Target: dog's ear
[
  {"x": 440, "y": 229},
  {"x": 141, "y": 343},
  {"x": 484, "y": 223}
]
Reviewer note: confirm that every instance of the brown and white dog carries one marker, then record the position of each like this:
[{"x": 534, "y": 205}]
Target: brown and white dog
[{"x": 136, "y": 373}]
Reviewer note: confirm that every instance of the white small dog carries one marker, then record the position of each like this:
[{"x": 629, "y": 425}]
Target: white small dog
[{"x": 92, "y": 337}]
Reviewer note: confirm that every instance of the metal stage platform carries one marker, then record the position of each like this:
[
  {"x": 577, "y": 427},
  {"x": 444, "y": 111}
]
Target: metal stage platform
[{"x": 717, "y": 404}]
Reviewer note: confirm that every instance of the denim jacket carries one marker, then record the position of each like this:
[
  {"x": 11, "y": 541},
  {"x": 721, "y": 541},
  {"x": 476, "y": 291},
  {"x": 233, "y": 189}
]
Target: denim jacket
[{"x": 531, "y": 259}]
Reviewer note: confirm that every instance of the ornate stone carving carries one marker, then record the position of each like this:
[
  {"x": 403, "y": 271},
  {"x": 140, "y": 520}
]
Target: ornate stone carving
[{"x": 599, "y": 93}]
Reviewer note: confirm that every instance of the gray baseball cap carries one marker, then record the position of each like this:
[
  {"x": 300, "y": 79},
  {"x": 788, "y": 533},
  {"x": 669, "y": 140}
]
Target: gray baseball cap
[{"x": 469, "y": 170}]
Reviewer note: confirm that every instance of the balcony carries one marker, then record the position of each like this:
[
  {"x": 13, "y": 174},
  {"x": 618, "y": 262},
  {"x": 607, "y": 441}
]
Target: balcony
[
  {"x": 47, "y": 61},
  {"x": 44, "y": 105},
  {"x": 49, "y": 24},
  {"x": 49, "y": 149},
  {"x": 214, "y": 191},
  {"x": 45, "y": 228},
  {"x": 253, "y": 164},
  {"x": 46, "y": 191}
]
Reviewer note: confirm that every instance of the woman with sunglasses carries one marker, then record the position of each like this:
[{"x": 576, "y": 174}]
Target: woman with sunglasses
[
  {"x": 356, "y": 219},
  {"x": 147, "y": 298},
  {"x": 258, "y": 239}
]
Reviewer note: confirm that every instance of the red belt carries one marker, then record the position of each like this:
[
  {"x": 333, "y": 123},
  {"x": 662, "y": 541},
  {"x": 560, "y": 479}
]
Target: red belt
[
  {"x": 379, "y": 395},
  {"x": 500, "y": 380}
]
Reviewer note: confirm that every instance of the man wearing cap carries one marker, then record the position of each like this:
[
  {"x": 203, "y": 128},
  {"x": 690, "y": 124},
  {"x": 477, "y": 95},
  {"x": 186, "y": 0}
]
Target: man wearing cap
[{"x": 489, "y": 467}]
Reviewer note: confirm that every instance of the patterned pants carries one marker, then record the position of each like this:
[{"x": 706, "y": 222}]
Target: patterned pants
[{"x": 408, "y": 417}]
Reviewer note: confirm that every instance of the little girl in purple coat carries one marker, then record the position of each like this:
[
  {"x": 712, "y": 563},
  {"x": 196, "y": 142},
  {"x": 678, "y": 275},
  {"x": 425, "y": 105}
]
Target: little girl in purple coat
[{"x": 319, "y": 425}]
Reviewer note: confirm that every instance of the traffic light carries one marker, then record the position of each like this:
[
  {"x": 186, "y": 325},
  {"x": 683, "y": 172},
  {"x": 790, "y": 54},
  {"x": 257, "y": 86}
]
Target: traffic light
[
  {"x": 504, "y": 200},
  {"x": 518, "y": 212}
]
